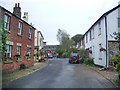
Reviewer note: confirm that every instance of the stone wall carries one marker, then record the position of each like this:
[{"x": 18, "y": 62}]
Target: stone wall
[{"x": 113, "y": 46}]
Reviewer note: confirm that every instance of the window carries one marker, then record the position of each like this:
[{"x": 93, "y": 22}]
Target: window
[
  {"x": 119, "y": 22},
  {"x": 18, "y": 50},
  {"x": 100, "y": 53},
  {"x": 30, "y": 33},
  {"x": 90, "y": 36},
  {"x": 8, "y": 52},
  {"x": 86, "y": 38},
  {"x": 20, "y": 28},
  {"x": 29, "y": 51},
  {"x": 93, "y": 54},
  {"x": 99, "y": 28},
  {"x": 93, "y": 33},
  {"x": 6, "y": 22}
]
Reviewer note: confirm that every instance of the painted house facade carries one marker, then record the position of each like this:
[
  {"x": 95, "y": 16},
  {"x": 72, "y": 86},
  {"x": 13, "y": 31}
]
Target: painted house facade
[
  {"x": 19, "y": 41},
  {"x": 100, "y": 34},
  {"x": 38, "y": 44}
]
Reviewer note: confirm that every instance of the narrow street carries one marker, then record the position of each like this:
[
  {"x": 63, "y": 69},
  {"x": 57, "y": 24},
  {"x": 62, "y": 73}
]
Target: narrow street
[{"x": 60, "y": 74}]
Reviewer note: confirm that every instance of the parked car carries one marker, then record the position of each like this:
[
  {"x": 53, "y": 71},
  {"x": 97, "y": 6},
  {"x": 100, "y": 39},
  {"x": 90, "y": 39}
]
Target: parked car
[
  {"x": 74, "y": 58},
  {"x": 50, "y": 55}
]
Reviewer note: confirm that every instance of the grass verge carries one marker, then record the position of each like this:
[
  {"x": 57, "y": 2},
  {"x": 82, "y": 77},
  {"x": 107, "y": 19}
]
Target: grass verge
[{"x": 7, "y": 77}]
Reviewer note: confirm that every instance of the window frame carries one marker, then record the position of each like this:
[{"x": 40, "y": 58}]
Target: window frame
[
  {"x": 20, "y": 28},
  {"x": 99, "y": 28},
  {"x": 8, "y": 52},
  {"x": 7, "y": 22},
  {"x": 18, "y": 50},
  {"x": 30, "y": 33}
]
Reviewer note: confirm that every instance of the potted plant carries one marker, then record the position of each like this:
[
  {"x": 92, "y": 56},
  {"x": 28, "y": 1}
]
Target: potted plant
[
  {"x": 8, "y": 60},
  {"x": 90, "y": 51},
  {"x": 102, "y": 49},
  {"x": 18, "y": 57}
]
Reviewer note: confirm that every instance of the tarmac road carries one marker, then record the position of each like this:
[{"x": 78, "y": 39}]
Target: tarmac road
[{"x": 60, "y": 74}]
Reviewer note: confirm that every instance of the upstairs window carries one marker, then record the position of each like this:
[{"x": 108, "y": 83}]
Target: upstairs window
[
  {"x": 30, "y": 33},
  {"x": 93, "y": 33},
  {"x": 90, "y": 35},
  {"x": 6, "y": 22},
  {"x": 99, "y": 28},
  {"x": 86, "y": 38},
  {"x": 20, "y": 28}
]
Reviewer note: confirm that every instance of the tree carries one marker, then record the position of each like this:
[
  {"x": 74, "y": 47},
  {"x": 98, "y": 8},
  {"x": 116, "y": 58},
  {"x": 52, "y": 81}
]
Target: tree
[
  {"x": 65, "y": 43},
  {"x": 77, "y": 38}
]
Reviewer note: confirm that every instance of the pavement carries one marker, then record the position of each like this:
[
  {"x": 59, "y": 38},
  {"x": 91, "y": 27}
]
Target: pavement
[{"x": 108, "y": 74}]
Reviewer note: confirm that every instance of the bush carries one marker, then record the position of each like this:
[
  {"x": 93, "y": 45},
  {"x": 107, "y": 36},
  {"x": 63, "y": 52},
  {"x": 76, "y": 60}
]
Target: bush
[
  {"x": 22, "y": 66},
  {"x": 118, "y": 67},
  {"x": 89, "y": 61},
  {"x": 81, "y": 60}
]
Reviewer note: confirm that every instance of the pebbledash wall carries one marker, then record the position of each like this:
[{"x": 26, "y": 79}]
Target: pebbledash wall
[
  {"x": 15, "y": 38},
  {"x": 100, "y": 34}
]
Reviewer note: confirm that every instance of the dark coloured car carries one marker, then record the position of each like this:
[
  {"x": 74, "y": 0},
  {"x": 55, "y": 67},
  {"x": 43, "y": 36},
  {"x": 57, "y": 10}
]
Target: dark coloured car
[{"x": 74, "y": 58}]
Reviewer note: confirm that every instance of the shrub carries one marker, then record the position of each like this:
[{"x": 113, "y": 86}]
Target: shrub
[
  {"x": 118, "y": 67},
  {"x": 22, "y": 66},
  {"x": 89, "y": 61},
  {"x": 81, "y": 60}
]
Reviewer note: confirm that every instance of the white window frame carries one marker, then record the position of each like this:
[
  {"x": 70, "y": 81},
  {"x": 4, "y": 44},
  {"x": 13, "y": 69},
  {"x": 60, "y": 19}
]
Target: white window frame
[
  {"x": 19, "y": 50},
  {"x": 30, "y": 33},
  {"x": 6, "y": 22},
  {"x": 20, "y": 26},
  {"x": 99, "y": 28},
  {"x": 28, "y": 51},
  {"x": 8, "y": 52},
  {"x": 100, "y": 53},
  {"x": 118, "y": 22},
  {"x": 90, "y": 35},
  {"x": 93, "y": 35},
  {"x": 86, "y": 37}
]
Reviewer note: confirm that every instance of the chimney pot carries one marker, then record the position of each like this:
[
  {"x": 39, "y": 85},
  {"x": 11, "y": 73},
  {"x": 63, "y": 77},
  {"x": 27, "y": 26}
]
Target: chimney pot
[
  {"x": 18, "y": 4},
  {"x": 15, "y": 4}
]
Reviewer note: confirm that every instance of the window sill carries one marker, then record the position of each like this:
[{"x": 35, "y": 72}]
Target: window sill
[
  {"x": 30, "y": 38},
  {"x": 100, "y": 58},
  {"x": 28, "y": 59},
  {"x": 19, "y": 60},
  {"x": 99, "y": 34},
  {"x": 19, "y": 35},
  {"x": 7, "y": 62}
]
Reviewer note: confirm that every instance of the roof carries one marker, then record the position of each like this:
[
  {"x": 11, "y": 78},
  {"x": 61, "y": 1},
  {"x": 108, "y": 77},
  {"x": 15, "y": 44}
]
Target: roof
[
  {"x": 105, "y": 14},
  {"x": 16, "y": 16},
  {"x": 41, "y": 34}
]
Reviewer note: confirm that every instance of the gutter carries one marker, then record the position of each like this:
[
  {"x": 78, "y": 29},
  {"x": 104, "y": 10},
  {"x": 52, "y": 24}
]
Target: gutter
[{"x": 106, "y": 41}]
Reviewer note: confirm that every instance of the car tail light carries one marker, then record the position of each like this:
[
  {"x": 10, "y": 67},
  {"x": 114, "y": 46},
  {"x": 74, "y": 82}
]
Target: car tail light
[{"x": 70, "y": 56}]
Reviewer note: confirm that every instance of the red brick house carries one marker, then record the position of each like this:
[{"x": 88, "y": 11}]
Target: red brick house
[{"x": 20, "y": 40}]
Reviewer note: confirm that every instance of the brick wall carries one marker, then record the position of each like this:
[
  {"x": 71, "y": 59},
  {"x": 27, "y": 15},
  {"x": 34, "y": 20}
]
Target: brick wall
[{"x": 24, "y": 40}]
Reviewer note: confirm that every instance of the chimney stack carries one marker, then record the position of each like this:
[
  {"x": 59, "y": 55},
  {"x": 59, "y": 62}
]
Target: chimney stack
[
  {"x": 17, "y": 10},
  {"x": 25, "y": 17}
]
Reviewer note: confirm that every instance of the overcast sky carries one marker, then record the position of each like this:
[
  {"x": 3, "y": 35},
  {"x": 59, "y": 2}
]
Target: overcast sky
[{"x": 74, "y": 16}]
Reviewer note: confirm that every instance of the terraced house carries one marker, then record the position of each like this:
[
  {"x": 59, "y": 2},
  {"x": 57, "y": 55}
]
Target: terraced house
[
  {"x": 20, "y": 39},
  {"x": 99, "y": 39}
]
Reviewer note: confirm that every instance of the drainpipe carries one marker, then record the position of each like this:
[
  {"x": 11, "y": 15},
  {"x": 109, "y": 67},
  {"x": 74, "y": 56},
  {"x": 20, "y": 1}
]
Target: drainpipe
[{"x": 106, "y": 41}]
